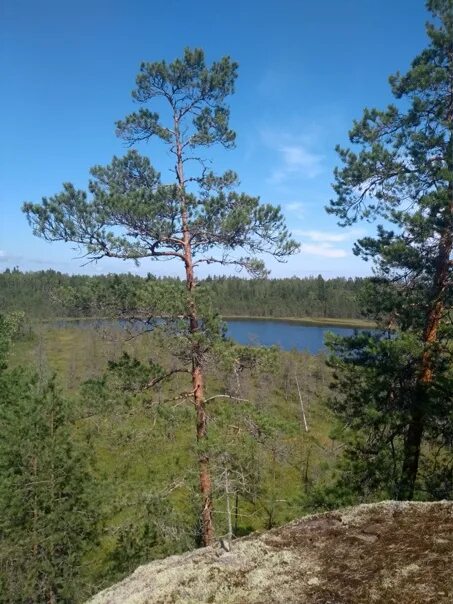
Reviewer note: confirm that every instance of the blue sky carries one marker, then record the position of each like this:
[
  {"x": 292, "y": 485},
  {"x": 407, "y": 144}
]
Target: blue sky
[{"x": 307, "y": 69}]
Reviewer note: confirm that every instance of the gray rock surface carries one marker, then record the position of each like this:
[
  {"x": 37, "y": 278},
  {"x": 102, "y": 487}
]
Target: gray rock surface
[{"x": 391, "y": 552}]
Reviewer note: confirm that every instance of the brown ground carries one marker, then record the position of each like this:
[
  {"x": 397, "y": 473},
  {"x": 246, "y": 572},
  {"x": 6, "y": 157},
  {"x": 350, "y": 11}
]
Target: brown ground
[{"x": 390, "y": 552}]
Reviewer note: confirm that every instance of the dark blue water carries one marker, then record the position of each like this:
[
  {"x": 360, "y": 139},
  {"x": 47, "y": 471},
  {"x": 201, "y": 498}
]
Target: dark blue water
[{"x": 286, "y": 334}]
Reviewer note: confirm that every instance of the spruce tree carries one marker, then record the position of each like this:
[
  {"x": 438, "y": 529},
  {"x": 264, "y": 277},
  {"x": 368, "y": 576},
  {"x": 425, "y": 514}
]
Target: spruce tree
[
  {"x": 129, "y": 213},
  {"x": 400, "y": 171}
]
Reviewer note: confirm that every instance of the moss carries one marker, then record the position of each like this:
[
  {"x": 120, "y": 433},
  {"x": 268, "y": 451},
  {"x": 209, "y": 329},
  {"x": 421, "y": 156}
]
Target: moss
[{"x": 384, "y": 553}]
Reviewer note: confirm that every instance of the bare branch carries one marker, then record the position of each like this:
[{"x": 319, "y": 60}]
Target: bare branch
[
  {"x": 165, "y": 377},
  {"x": 211, "y": 398}
]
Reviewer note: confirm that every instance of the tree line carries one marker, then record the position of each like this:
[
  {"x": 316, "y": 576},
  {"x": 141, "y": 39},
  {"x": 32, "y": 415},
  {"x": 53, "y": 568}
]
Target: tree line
[{"x": 50, "y": 294}]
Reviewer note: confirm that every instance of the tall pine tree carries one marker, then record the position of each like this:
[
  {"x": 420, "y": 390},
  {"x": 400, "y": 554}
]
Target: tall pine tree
[
  {"x": 402, "y": 173},
  {"x": 129, "y": 213}
]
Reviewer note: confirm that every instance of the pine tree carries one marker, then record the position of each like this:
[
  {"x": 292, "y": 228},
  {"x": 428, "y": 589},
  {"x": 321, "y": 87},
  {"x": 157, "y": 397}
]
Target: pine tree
[
  {"x": 199, "y": 218},
  {"x": 47, "y": 515},
  {"x": 402, "y": 173}
]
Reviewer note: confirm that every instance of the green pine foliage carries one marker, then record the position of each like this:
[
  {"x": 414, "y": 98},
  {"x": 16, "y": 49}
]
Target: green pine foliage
[
  {"x": 127, "y": 211},
  {"x": 200, "y": 217},
  {"x": 394, "y": 394},
  {"x": 48, "y": 519}
]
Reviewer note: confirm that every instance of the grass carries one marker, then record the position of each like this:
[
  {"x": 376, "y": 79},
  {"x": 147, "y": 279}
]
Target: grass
[{"x": 319, "y": 321}]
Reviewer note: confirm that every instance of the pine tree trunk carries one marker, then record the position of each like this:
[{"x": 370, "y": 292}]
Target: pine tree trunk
[
  {"x": 416, "y": 427},
  {"x": 412, "y": 447},
  {"x": 207, "y": 525}
]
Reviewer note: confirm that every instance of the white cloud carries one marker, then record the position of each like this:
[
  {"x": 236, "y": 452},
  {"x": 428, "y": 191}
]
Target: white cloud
[
  {"x": 323, "y": 249},
  {"x": 321, "y": 243},
  {"x": 5, "y": 257},
  {"x": 294, "y": 206},
  {"x": 323, "y": 236},
  {"x": 296, "y": 160},
  {"x": 296, "y": 156}
]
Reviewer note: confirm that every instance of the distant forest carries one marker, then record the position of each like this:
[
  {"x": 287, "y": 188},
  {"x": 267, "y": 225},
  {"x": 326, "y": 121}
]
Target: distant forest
[{"x": 50, "y": 294}]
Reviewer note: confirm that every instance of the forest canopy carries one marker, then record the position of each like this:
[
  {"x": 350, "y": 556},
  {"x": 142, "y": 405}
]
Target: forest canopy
[{"x": 50, "y": 294}]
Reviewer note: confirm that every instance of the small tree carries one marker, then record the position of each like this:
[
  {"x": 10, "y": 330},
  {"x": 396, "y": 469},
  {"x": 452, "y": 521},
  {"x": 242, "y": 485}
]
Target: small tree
[
  {"x": 48, "y": 517},
  {"x": 197, "y": 219},
  {"x": 403, "y": 174}
]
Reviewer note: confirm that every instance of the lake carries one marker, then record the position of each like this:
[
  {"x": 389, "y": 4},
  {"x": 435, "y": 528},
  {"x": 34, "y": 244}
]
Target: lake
[{"x": 286, "y": 334}]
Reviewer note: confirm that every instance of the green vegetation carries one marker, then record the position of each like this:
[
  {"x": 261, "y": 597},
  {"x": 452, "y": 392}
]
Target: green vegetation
[
  {"x": 48, "y": 520},
  {"x": 144, "y": 454},
  {"x": 49, "y": 294},
  {"x": 324, "y": 322},
  {"x": 100, "y": 467},
  {"x": 395, "y": 395}
]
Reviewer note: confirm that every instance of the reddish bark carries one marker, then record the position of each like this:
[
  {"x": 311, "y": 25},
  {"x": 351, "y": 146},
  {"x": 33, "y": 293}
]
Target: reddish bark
[
  {"x": 207, "y": 525},
  {"x": 434, "y": 315}
]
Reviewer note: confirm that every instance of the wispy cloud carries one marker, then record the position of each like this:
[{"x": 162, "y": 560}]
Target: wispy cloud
[
  {"x": 294, "y": 206},
  {"x": 5, "y": 257},
  {"x": 323, "y": 249},
  {"x": 296, "y": 161},
  {"x": 325, "y": 236},
  {"x": 296, "y": 157},
  {"x": 322, "y": 243}
]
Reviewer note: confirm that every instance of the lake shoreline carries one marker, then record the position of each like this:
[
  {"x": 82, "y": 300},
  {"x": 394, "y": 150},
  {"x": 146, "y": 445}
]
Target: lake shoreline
[
  {"x": 303, "y": 334},
  {"x": 316, "y": 321}
]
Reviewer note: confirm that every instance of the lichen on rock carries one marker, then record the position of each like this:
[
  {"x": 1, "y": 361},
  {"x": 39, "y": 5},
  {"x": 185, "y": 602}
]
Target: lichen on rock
[{"x": 387, "y": 552}]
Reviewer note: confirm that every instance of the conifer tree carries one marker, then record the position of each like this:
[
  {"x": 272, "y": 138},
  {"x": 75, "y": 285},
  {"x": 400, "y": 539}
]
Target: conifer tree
[
  {"x": 47, "y": 512},
  {"x": 129, "y": 213},
  {"x": 402, "y": 174}
]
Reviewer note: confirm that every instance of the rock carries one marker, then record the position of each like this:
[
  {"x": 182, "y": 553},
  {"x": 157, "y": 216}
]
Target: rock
[
  {"x": 225, "y": 544},
  {"x": 388, "y": 552}
]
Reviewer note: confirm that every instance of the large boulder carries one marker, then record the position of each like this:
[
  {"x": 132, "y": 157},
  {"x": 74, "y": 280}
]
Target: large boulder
[{"x": 388, "y": 552}]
